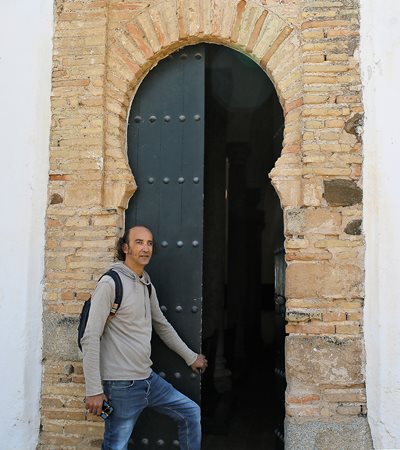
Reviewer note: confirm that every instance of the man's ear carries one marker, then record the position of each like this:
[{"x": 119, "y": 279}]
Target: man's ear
[{"x": 125, "y": 248}]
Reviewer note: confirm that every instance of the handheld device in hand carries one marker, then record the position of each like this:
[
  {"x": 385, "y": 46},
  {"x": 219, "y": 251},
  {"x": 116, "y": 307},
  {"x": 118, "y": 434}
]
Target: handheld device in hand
[{"x": 106, "y": 410}]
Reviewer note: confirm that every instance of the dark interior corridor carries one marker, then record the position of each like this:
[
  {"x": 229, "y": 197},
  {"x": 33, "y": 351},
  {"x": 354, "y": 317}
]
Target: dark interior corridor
[{"x": 242, "y": 391}]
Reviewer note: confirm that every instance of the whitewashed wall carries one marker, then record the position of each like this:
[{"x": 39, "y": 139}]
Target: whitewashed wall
[
  {"x": 380, "y": 58},
  {"x": 26, "y": 28}
]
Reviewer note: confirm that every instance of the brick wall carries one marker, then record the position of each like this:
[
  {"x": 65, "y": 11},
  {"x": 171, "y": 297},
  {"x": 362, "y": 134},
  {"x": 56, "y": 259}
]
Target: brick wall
[{"x": 102, "y": 51}]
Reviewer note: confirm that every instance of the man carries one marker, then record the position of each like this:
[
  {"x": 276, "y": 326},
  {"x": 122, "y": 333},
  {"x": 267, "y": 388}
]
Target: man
[{"x": 116, "y": 351}]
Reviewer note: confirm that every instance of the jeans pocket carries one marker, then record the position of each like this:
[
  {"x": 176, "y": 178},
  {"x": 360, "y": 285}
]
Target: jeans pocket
[{"x": 121, "y": 385}]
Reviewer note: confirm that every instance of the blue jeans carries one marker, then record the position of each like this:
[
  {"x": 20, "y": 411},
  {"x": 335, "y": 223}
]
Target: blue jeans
[{"x": 129, "y": 398}]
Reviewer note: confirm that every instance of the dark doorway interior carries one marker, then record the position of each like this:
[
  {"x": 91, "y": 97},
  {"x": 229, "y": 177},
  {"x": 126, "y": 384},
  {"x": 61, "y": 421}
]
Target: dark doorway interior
[{"x": 242, "y": 392}]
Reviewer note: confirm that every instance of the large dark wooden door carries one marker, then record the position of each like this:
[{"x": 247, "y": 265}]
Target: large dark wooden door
[{"x": 166, "y": 154}]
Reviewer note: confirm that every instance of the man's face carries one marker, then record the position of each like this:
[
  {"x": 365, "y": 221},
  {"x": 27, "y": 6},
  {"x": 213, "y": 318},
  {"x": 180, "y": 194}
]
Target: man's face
[{"x": 139, "y": 248}]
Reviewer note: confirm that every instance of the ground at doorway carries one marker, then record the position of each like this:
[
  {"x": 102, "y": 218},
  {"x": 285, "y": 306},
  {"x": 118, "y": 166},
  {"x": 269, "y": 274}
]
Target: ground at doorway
[{"x": 250, "y": 425}]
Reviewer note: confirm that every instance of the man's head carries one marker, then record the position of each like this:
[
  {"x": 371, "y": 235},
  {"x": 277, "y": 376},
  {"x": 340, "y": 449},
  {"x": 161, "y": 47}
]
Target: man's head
[{"x": 135, "y": 248}]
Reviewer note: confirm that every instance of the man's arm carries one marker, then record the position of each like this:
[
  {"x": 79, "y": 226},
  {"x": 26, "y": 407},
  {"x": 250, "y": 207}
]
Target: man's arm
[
  {"x": 102, "y": 299},
  {"x": 171, "y": 338}
]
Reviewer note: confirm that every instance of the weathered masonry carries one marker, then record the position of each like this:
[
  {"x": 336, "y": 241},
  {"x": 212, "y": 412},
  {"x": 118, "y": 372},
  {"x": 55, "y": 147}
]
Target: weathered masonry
[{"x": 102, "y": 51}]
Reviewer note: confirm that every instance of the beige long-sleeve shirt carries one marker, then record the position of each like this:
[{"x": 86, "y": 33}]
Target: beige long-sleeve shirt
[{"x": 120, "y": 348}]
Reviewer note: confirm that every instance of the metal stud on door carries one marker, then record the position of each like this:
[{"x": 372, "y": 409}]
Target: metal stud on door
[{"x": 166, "y": 154}]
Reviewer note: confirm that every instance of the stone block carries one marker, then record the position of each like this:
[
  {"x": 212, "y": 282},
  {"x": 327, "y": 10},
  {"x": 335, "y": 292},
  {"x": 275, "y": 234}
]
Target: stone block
[
  {"x": 55, "y": 199},
  {"x": 288, "y": 189},
  {"x": 342, "y": 192},
  {"x": 353, "y": 227},
  {"x": 118, "y": 194},
  {"x": 353, "y": 434},
  {"x": 324, "y": 360},
  {"x": 294, "y": 221},
  {"x": 323, "y": 279},
  {"x": 322, "y": 221},
  {"x": 60, "y": 336}
]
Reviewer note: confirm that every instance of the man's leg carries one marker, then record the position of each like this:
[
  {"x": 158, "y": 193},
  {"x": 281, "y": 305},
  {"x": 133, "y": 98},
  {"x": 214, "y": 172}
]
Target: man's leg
[
  {"x": 164, "y": 398},
  {"x": 128, "y": 398}
]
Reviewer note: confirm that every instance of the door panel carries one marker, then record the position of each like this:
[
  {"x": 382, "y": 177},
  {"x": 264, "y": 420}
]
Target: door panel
[{"x": 166, "y": 154}]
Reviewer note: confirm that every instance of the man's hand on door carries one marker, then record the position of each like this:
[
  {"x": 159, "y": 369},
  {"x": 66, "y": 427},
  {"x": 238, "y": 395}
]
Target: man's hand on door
[{"x": 200, "y": 365}]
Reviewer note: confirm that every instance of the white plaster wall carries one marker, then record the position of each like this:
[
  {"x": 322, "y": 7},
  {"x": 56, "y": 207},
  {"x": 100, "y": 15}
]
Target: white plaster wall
[
  {"x": 26, "y": 28},
  {"x": 380, "y": 60}
]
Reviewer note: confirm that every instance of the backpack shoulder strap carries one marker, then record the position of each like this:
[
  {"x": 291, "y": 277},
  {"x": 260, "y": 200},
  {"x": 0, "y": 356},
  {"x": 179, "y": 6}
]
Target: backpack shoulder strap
[
  {"x": 149, "y": 289},
  {"x": 118, "y": 290}
]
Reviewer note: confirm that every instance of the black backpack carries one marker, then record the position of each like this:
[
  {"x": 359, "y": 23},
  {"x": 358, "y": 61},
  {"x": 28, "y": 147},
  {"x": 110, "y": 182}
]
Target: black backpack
[{"x": 83, "y": 318}]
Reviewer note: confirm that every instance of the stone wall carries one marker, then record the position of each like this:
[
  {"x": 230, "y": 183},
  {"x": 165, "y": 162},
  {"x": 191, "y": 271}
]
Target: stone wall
[{"x": 102, "y": 51}]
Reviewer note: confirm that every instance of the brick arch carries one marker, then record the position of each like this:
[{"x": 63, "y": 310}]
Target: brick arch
[{"x": 138, "y": 40}]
